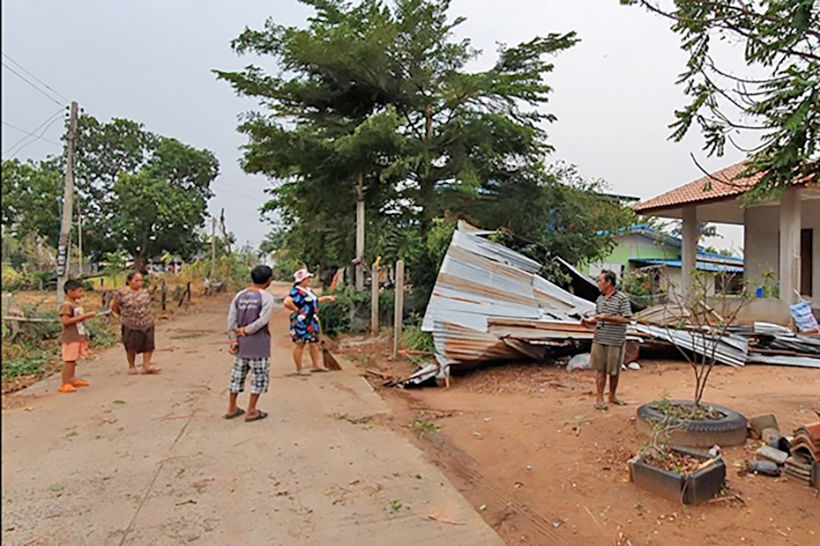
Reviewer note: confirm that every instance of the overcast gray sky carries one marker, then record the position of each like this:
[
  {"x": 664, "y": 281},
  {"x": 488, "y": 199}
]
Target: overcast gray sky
[{"x": 151, "y": 61}]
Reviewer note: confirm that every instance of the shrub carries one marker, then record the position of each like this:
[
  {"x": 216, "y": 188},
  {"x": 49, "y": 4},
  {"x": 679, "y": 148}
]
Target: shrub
[
  {"x": 350, "y": 313},
  {"x": 416, "y": 340}
]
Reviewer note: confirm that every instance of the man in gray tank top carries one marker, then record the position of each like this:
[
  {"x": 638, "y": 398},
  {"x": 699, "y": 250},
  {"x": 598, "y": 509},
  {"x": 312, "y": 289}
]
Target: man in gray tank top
[{"x": 249, "y": 334}]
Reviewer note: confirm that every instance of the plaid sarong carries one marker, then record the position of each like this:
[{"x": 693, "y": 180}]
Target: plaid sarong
[{"x": 260, "y": 380}]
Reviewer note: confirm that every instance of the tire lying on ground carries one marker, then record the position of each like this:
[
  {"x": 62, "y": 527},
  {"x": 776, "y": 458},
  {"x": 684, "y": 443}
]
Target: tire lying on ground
[{"x": 729, "y": 430}]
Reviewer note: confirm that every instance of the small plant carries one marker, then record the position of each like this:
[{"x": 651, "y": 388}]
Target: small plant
[
  {"x": 416, "y": 340},
  {"x": 706, "y": 326},
  {"x": 425, "y": 428},
  {"x": 395, "y": 506},
  {"x": 771, "y": 284}
]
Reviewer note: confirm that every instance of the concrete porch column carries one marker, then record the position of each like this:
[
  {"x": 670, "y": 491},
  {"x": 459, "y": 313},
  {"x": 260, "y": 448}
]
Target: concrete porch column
[
  {"x": 689, "y": 247},
  {"x": 790, "y": 222}
]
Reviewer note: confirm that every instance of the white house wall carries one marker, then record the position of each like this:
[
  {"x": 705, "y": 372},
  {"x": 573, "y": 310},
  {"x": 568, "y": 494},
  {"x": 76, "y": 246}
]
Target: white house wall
[{"x": 761, "y": 242}]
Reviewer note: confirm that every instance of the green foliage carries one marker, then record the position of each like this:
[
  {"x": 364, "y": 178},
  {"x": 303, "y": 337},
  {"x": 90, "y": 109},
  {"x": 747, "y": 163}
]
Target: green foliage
[
  {"x": 383, "y": 91},
  {"x": 416, "y": 340},
  {"x": 771, "y": 284},
  {"x": 32, "y": 194},
  {"x": 350, "y": 313},
  {"x": 138, "y": 192},
  {"x": 37, "y": 343},
  {"x": 441, "y": 233},
  {"x": 15, "y": 367},
  {"x": 565, "y": 216},
  {"x": 777, "y": 99},
  {"x": 115, "y": 262},
  {"x": 639, "y": 285}
]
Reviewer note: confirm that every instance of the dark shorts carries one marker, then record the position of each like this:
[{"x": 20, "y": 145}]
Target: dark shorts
[
  {"x": 606, "y": 358},
  {"x": 138, "y": 341}
]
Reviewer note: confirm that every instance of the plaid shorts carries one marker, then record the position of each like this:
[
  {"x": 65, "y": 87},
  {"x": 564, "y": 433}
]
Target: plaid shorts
[{"x": 241, "y": 367}]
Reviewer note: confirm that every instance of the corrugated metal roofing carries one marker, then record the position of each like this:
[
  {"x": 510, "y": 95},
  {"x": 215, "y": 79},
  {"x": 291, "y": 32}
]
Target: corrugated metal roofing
[
  {"x": 480, "y": 280},
  {"x": 700, "y": 265}
]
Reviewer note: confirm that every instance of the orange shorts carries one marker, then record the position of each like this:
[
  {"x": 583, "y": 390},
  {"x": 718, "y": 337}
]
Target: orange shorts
[{"x": 73, "y": 351}]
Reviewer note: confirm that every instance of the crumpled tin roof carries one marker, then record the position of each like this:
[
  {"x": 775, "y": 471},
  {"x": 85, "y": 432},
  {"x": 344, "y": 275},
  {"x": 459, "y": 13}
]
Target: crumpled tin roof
[{"x": 480, "y": 280}]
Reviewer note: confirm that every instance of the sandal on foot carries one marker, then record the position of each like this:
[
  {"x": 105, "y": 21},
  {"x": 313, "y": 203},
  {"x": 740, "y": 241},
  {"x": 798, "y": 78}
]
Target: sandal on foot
[
  {"x": 150, "y": 371},
  {"x": 235, "y": 414},
  {"x": 617, "y": 402},
  {"x": 80, "y": 383},
  {"x": 68, "y": 387},
  {"x": 259, "y": 415},
  {"x": 601, "y": 406},
  {"x": 319, "y": 370},
  {"x": 132, "y": 371}
]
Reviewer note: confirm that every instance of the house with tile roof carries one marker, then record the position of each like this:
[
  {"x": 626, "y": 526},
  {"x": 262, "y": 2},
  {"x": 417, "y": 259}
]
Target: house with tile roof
[
  {"x": 646, "y": 249},
  {"x": 779, "y": 234}
]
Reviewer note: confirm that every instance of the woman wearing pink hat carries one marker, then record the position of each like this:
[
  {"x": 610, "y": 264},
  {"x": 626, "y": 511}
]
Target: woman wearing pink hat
[{"x": 304, "y": 319}]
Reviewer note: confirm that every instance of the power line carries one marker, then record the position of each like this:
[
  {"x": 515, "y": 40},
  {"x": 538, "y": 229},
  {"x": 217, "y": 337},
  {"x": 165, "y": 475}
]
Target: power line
[
  {"x": 47, "y": 123},
  {"x": 29, "y": 134},
  {"x": 32, "y": 85},
  {"x": 23, "y": 68}
]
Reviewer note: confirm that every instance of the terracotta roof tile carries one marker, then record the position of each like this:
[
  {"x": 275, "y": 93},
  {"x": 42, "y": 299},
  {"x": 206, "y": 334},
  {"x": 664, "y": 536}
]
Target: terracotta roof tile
[{"x": 721, "y": 185}]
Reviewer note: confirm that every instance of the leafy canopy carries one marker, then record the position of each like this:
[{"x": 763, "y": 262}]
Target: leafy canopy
[
  {"x": 137, "y": 191},
  {"x": 779, "y": 96},
  {"x": 384, "y": 91}
]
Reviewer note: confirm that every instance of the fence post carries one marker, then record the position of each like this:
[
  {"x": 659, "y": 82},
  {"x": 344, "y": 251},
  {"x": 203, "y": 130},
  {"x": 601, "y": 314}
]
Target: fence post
[
  {"x": 164, "y": 293},
  {"x": 374, "y": 301},
  {"x": 399, "y": 307}
]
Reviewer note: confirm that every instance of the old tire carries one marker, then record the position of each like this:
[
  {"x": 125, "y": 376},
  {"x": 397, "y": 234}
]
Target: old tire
[{"x": 728, "y": 431}]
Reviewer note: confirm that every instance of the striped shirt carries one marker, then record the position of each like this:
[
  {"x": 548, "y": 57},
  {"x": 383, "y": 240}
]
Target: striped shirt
[{"x": 608, "y": 333}]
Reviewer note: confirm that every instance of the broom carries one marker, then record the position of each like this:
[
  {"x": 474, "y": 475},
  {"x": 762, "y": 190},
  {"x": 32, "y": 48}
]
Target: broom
[{"x": 328, "y": 359}]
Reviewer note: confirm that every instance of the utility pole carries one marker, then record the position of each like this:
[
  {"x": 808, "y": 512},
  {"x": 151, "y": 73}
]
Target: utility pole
[
  {"x": 213, "y": 247},
  {"x": 68, "y": 202},
  {"x": 360, "y": 267},
  {"x": 80, "y": 242},
  {"x": 225, "y": 232}
]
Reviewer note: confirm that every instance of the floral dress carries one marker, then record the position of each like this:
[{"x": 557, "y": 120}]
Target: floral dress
[{"x": 304, "y": 324}]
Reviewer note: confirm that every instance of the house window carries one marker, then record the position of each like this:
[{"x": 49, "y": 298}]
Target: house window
[{"x": 728, "y": 283}]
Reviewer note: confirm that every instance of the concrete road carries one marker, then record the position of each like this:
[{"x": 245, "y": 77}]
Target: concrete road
[{"x": 149, "y": 460}]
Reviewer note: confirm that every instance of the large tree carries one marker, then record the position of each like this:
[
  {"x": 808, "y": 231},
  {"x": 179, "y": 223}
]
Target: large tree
[
  {"x": 383, "y": 91},
  {"x": 778, "y": 96},
  {"x": 31, "y": 198},
  {"x": 137, "y": 191}
]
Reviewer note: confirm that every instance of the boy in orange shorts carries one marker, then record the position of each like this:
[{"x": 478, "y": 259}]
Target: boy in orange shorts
[{"x": 75, "y": 336}]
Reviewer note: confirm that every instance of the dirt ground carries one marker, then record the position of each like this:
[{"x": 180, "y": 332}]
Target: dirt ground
[
  {"x": 151, "y": 460},
  {"x": 524, "y": 445}
]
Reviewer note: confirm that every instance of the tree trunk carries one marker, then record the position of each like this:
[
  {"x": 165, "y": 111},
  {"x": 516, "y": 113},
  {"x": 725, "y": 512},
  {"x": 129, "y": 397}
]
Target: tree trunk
[{"x": 140, "y": 261}]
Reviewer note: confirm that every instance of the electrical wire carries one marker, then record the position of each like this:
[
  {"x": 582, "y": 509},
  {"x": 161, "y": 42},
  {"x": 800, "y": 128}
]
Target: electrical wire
[
  {"x": 33, "y": 86},
  {"x": 29, "y": 134},
  {"x": 46, "y": 124},
  {"x": 47, "y": 86}
]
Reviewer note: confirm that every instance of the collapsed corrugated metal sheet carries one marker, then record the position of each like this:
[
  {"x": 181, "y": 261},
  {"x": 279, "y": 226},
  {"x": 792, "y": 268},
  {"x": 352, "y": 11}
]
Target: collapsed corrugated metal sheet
[
  {"x": 489, "y": 304},
  {"x": 732, "y": 349},
  {"x": 480, "y": 280}
]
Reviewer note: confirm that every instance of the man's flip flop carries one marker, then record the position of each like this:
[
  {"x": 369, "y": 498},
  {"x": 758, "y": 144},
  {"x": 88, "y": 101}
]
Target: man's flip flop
[
  {"x": 319, "y": 370},
  {"x": 236, "y": 414},
  {"x": 617, "y": 402},
  {"x": 601, "y": 406},
  {"x": 150, "y": 371},
  {"x": 259, "y": 415}
]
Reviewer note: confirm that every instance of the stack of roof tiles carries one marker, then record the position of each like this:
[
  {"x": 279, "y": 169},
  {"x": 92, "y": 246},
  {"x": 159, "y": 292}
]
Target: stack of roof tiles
[{"x": 805, "y": 448}]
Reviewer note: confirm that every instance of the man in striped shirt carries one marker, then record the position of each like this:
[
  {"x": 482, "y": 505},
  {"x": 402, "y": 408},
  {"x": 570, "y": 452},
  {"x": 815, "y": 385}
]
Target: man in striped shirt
[{"x": 613, "y": 313}]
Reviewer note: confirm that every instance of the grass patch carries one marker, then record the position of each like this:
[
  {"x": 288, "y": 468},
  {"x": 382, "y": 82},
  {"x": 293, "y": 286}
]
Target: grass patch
[
  {"x": 186, "y": 336},
  {"x": 425, "y": 428}
]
